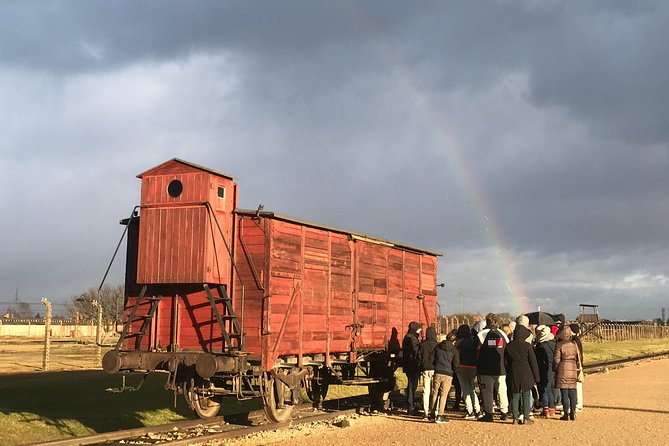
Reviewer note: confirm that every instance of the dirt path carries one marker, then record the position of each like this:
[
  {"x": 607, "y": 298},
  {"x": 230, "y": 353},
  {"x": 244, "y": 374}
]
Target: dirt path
[{"x": 625, "y": 406}]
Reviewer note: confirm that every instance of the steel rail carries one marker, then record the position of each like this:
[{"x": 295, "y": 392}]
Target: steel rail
[
  {"x": 620, "y": 361},
  {"x": 240, "y": 432},
  {"x": 337, "y": 407}
]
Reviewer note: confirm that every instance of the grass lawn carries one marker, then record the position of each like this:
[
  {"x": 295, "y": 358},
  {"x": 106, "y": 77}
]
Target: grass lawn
[
  {"x": 45, "y": 406},
  {"x": 595, "y": 351}
]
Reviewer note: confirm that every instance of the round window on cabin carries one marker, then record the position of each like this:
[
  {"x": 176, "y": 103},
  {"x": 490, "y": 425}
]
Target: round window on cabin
[{"x": 175, "y": 188}]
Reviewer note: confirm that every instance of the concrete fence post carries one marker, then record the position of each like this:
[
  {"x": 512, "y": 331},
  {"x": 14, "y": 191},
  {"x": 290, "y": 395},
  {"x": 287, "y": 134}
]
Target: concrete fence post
[{"x": 47, "y": 334}]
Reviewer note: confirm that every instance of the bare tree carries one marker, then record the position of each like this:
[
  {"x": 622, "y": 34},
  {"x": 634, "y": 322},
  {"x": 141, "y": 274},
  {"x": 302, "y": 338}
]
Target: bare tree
[
  {"x": 20, "y": 310},
  {"x": 110, "y": 298}
]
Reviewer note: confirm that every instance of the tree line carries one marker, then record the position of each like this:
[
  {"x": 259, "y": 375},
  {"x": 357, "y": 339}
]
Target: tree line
[{"x": 80, "y": 307}]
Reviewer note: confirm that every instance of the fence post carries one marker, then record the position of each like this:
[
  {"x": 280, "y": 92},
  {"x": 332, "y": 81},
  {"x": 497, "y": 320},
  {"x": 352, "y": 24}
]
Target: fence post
[
  {"x": 47, "y": 334},
  {"x": 98, "y": 335}
]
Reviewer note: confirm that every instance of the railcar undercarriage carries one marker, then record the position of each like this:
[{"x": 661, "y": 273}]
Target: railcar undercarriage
[{"x": 204, "y": 379}]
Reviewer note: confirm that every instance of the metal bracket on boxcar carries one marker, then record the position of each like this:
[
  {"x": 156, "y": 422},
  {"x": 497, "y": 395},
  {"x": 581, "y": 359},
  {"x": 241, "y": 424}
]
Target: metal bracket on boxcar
[
  {"x": 260, "y": 208},
  {"x": 356, "y": 329},
  {"x": 291, "y": 379},
  {"x": 125, "y": 388}
]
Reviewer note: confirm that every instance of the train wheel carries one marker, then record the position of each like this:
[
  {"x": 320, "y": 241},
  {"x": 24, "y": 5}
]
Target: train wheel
[
  {"x": 275, "y": 395},
  {"x": 204, "y": 406}
]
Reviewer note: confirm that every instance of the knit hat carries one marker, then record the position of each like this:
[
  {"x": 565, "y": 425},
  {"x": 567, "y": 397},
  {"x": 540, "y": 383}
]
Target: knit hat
[
  {"x": 431, "y": 333},
  {"x": 522, "y": 332},
  {"x": 565, "y": 334},
  {"x": 544, "y": 333},
  {"x": 464, "y": 332},
  {"x": 574, "y": 328},
  {"x": 523, "y": 320}
]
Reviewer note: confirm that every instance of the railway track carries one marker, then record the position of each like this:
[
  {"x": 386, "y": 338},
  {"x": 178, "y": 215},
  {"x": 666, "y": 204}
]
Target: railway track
[
  {"x": 187, "y": 432},
  {"x": 198, "y": 431},
  {"x": 596, "y": 366}
]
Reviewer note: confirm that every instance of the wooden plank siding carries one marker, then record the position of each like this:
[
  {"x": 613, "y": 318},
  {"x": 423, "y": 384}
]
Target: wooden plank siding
[
  {"x": 341, "y": 282},
  {"x": 182, "y": 239},
  {"x": 172, "y": 245},
  {"x": 252, "y": 233},
  {"x": 303, "y": 289}
]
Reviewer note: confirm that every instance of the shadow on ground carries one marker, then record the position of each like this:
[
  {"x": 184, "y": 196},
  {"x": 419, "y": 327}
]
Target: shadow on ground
[
  {"x": 56, "y": 399},
  {"x": 630, "y": 409}
]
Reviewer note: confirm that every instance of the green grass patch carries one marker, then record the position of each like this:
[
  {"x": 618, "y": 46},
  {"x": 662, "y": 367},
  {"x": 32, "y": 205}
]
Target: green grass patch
[
  {"x": 37, "y": 407},
  {"x": 605, "y": 351}
]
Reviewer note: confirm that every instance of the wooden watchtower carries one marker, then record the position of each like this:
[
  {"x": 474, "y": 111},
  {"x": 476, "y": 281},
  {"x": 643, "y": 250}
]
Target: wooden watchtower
[{"x": 589, "y": 321}]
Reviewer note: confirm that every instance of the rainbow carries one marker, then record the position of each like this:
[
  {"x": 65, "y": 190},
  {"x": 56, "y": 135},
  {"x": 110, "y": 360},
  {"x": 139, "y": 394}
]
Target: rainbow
[
  {"x": 462, "y": 171},
  {"x": 460, "y": 168}
]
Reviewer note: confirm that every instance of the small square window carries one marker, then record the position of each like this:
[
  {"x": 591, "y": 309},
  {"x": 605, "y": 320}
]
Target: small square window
[{"x": 221, "y": 192}]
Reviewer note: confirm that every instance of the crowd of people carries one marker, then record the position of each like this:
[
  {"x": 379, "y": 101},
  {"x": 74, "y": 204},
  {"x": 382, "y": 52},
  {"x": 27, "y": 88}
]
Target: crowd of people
[{"x": 518, "y": 368}]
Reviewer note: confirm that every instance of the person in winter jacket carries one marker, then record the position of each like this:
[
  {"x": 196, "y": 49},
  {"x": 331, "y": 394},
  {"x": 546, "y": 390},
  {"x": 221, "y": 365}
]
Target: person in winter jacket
[
  {"x": 579, "y": 385},
  {"x": 544, "y": 351},
  {"x": 490, "y": 367},
  {"x": 410, "y": 345},
  {"x": 466, "y": 345},
  {"x": 566, "y": 361},
  {"x": 523, "y": 371},
  {"x": 426, "y": 352},
  {"x": 446, "y": 362}
]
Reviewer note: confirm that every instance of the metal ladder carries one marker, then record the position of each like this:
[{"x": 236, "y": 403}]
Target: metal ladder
[
  {"x": 234, "y": 333},
  {"x": 145, "y": 318}
]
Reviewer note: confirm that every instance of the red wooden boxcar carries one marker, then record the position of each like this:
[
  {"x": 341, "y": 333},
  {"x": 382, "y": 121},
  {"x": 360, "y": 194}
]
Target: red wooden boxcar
[{"x": 254, "y": 303}]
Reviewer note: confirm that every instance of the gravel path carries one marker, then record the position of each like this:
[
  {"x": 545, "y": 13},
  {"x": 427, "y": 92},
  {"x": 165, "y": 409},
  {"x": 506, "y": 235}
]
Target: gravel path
[{"x": 622, "y": 407}]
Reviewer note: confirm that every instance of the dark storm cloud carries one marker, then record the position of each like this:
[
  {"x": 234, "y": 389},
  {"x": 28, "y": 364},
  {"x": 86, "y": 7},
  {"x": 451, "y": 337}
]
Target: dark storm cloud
[
  {"x": 611, "y": 70},
  {"x": 406, "y": 120},
  {"x": 600, "y": 61},
  {"x": 601, "y": 189},
  {"x": 95, "y": 35}
]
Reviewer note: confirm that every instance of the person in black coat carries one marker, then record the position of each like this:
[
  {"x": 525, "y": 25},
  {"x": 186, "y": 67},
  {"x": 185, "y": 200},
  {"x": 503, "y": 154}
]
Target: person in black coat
[
  {"x": 521, "y": 363},
  {"x": 466, "y": 372},
  {"x": 544, "y": 351},
  {"x": 410, "y": 345},
  {"x": 491, "y": 368},
  {"x": 426, "y": 352},
  {"x": 446, "y": 362}
]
